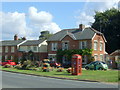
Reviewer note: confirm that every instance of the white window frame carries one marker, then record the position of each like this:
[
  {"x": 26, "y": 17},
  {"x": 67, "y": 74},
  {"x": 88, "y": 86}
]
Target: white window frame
[
  {"x": 11, "y": 57},
  {"x": 12, "y": 49},
  {"x": 97, "y": 56},
  {"x": 54, "y": 46},
  {"x": 101, "y": 59},
  {"x": 83, "y": 44},
  {"x": 6, "y": 49},
  {"x": 6, "y": 57},
  {"x": 52, "y": 56},
  {"x": 28, "y": 48},
  {"x": 34, "y": 48},
  {"x": 95, "y": 46},
  {"x": 101, "y": 46},
  {"x": 65, "y": 46}
]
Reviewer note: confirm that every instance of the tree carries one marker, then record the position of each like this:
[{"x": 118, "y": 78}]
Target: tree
[{"x": 108, "y": 22}]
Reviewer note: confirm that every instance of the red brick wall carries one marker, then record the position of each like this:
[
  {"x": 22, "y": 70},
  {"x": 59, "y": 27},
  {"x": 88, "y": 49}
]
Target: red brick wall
[
  {"x": 73, "y": 44},
  {"x": 9, "y": 53},
  {"x": 98, "y": 52}
]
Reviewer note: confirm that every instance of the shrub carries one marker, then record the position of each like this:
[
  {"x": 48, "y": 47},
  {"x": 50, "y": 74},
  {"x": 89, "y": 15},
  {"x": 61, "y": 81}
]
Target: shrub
[
  {"x": 36, "y": 69},
  {"x": 69, "y": 70},
  {"x": 27, "y": 64},
  {"x": 8, "y": 66},
  {"x": 60, "y": 69},
  {"x": 18, "y": 66}
]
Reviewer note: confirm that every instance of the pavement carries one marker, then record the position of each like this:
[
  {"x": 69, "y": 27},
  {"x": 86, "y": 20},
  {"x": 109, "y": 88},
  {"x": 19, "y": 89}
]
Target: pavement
[{"x": 17, "y": 80}]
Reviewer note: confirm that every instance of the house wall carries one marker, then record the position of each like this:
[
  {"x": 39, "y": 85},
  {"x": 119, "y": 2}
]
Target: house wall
[
  {"x": 41, "y": 48},
  {"x": 25, "y": 48},
  {"x": 9, "y": 54},
  {"x": 73, "y": 44},
  {"x": 99, "y": 39}
]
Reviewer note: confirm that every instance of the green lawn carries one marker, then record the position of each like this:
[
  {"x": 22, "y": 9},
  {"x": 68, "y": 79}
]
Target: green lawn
[{"x": 102, "y": 76}]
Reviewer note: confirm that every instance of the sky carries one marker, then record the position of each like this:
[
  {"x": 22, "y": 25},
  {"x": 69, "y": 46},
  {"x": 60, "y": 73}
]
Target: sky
[{"x": 30, "y": 18}]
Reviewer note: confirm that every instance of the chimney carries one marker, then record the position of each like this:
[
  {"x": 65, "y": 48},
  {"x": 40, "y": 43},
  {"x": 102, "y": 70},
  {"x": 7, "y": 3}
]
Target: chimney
[
  {"x": 16, "y": 37},
  {"x": 81, "y": 27},
  {"x": 24, "y": 38}
]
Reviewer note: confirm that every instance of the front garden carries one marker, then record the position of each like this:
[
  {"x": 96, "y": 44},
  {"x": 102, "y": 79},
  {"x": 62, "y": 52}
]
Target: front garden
[{"x": 110, "y": 76}]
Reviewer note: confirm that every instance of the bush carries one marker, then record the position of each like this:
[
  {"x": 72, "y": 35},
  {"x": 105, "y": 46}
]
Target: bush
[
  {"x": 60, "y": 69},
  {"x": 36, "y": 69},
  {"x": 28, "y": 62},
  {"x": 18, "y": 66},
  {"x": 26, "y": 65},
  {"x": 8, "y": 66},
  {"x": 69, "y": 70}
]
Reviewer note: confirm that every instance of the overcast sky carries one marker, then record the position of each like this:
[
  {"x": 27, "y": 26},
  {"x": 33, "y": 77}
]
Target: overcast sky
[{"x": 30, "y": 18}]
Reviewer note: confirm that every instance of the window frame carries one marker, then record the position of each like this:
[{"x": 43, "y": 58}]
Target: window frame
[
  {"x": 54, "y": 46},
  {"x": 83, "y": 44},
  {"x": 65, "y": 46},
  {"x": 101, "y": 46},
  {"x": 95, "y": 46}
]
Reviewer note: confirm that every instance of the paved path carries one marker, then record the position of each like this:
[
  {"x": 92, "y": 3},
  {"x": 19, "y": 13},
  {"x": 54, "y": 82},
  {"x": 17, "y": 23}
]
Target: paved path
[{"x": 14, "y": 80}]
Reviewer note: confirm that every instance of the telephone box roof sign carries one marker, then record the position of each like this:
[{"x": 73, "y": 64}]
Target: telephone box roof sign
[{"x": 76, "y": 56}]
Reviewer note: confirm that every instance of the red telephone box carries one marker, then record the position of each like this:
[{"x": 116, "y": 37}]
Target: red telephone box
[{"x": 76, "y": 64}]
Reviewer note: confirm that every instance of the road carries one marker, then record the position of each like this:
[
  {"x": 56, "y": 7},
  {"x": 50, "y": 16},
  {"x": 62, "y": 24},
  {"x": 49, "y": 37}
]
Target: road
[{"x": 14, "y": 80}]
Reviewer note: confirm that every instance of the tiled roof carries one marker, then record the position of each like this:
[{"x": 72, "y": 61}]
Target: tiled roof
[
  {"x": 10, "y": 42},
  {"x": 76, "y": 34},
  {"x": 32, "y": 42}
]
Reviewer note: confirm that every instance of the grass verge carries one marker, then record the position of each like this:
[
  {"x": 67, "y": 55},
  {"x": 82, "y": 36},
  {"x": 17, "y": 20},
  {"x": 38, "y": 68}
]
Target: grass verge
[{"x": 110, "y": 76}]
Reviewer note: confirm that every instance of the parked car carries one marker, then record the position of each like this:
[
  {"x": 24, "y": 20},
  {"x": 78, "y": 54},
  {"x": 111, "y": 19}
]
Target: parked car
[
  {"x": 96, "y": 65},
  {"x": 8, "y": 62}
]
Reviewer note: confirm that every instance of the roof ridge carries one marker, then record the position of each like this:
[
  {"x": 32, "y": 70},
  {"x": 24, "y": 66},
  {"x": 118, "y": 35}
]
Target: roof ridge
[{"x": 95, "y": 30}]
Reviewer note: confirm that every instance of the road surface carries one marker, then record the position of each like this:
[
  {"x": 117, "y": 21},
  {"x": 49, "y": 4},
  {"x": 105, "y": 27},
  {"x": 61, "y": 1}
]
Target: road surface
[{"x": 14, "y": 80}]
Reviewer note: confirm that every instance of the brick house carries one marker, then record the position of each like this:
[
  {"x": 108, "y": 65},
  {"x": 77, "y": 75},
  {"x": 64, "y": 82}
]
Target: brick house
[
  {"x": 9, "y": 49},
  {"x": 115, "y": 56},
  {"x": 14, "y": 49},
  {"x": 78, "y": 38}
]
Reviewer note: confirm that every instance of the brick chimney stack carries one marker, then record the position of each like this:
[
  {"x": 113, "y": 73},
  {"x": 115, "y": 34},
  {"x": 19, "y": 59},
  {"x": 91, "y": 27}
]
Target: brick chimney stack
[
  {"x": 16, "y": 37},
  {"x": 24, "y": 38},
  {"x": 81, "y": 27}
]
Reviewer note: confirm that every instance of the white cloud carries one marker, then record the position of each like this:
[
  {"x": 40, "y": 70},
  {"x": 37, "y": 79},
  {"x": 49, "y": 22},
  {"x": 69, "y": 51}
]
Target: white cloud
[
  {"x": 39, "y": 17},
  {"x": 86, "y": 15},
  {"x": 13, "y": 23},
  {"x": 16, "y": 23},
  {"x": 42, "y": 20},
  {"x": 84, "y": 19}
]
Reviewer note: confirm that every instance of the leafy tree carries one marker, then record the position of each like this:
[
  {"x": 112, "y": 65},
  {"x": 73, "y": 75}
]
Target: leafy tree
[
  {"x": 69, "y": 53},
  {"x": 108, "y": 22}
]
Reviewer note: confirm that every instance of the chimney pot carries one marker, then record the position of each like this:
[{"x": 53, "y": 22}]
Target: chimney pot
[
  {"x": 81, "y": 27},
  {"x": 16, "y": 37}
]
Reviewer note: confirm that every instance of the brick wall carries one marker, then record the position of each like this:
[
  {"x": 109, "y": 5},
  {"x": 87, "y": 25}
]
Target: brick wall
[{"x": 99, "y": 39}]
